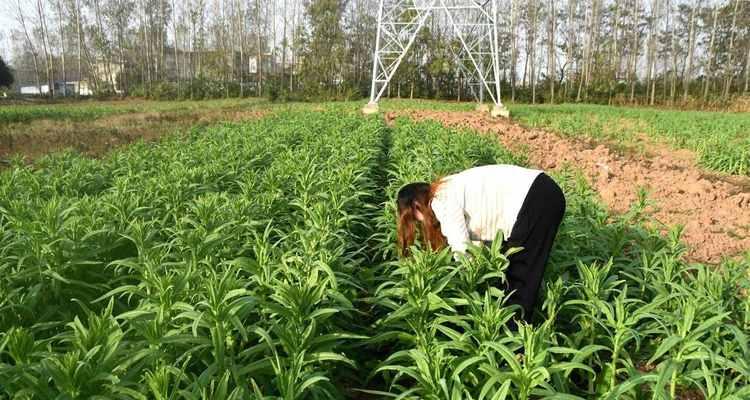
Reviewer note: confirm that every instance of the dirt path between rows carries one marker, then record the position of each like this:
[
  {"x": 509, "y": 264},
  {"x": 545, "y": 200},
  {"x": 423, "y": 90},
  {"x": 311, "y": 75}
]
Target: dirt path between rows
[{"x": 714, "y": 209}]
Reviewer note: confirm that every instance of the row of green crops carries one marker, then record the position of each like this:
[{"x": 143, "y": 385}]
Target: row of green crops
[
  {"x": 620, "y": 317},
  {"x": 220, "y": 267},
  {"x": 257, "y": 261},
  {"x": 721, "y": 140}
]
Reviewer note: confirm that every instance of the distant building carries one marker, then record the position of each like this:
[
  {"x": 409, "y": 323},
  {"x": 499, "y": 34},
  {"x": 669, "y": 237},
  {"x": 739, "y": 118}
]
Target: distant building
[
  {"x": 78, "y": 87},
  {"x": 69, "y": 88},
  {"x": 72, "y": 83},
  {"x": 33, "y": 90}
]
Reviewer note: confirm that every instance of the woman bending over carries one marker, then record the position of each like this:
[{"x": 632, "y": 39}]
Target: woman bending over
[{"x": 526, "y": 205}]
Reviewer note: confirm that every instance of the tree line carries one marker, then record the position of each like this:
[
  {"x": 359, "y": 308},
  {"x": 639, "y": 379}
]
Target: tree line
[{"x": 628, "y": 51}]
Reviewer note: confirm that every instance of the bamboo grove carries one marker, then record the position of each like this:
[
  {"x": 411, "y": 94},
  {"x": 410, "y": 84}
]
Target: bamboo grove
[{"x": 257, "y": 261}]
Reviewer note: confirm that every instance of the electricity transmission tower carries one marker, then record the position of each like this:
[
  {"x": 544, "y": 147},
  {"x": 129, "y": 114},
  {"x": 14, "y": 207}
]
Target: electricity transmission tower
[{"x": 474, "y": 26}]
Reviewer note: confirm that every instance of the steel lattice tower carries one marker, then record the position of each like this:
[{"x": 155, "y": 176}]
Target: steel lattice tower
[{"x": 474, "y": 24}]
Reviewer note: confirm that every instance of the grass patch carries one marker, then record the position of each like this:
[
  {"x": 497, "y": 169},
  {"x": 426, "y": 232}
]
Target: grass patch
[{"x": 720, "y": 139}]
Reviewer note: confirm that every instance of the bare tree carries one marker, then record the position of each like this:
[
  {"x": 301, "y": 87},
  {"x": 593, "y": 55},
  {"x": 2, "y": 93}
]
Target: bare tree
[
  {"x": 513, "y": 47},
  {"x": 673, "y": 53},
  {"x": 552, "y": 26},
  {"x": 651, "y": 81},
  {"x": 597, "y": 15},
  {"x": 104, "y": 48},
  {"x": 589, "y": 22},
  {"x": 614, "y": 57},
  {"x": 711, "y": 55},
  {"x": 569, "y": 56},
  {"x": 729, "y": 69},
  {"x": 123, "y": 17},
  {"x": 284, "y": 39},
  {"x": 526, "y": 55},
  {"x": 61, "y": 27},
  {"x": 691, "y": 51},
  {"x": 591, "y": 34},
  {"x": 293, "y": 52},
  {"x": 145, "y": 57},
  {"x": 274, "y": 38},
  {"x": 634, "y": 48},
  {"x": 531, "y": 29},
  {"x": 259, "y": 46},
  {"x": 176, "y": 45},
  {"x": 223, "y": 47},
  {"x": 162, "y": 37},
  {"x": 75, "y": 9},
  {"x": 29, "y": 43},
  {"x": 241, "y": 34},
  {"x": 49, "y": 64}
]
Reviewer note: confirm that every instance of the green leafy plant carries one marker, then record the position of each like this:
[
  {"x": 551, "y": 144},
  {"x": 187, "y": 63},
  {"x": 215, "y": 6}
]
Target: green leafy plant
[{"x": 257, "y": 260}]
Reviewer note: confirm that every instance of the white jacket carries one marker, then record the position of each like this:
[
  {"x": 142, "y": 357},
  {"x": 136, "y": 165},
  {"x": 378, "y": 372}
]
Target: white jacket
[{"x": 476, "y": 204}]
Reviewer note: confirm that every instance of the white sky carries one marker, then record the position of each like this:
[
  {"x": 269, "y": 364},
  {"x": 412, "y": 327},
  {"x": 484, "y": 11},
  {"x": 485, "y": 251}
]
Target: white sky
[{"x": 7, "y": 23}]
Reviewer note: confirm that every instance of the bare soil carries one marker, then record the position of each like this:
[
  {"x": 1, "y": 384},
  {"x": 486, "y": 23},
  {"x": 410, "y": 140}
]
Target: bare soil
[
  {"x": 97, "y": 137},
  {"x": 714, "y": 209}
]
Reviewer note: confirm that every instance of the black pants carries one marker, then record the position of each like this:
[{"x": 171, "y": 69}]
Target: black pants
[{"x": 534, "y": 230}]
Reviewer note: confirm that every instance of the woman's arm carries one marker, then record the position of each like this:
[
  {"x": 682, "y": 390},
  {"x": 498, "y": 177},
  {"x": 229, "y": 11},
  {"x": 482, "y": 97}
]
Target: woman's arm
[{"x": 452, "y": 223}]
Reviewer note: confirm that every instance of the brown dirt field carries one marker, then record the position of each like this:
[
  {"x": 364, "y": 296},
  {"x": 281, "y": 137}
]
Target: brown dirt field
[
  {"x": 713, "y": 208},
  {"x": 97, "y": 137}
]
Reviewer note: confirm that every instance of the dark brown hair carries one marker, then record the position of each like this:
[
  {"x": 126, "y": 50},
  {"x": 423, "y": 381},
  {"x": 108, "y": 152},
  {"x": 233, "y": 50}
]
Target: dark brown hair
[{"x": 412, "y": 198}]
